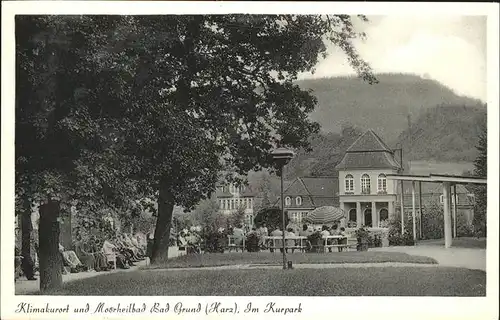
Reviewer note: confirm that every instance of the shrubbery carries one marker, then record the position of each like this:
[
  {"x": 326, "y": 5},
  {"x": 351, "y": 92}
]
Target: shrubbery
[
  {"x": 214, "y": 241},
  {"x": 252, "y": 242}
]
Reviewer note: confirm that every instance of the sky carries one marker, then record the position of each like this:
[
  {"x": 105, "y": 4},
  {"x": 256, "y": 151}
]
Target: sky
[{"x": 449, "y": 49}]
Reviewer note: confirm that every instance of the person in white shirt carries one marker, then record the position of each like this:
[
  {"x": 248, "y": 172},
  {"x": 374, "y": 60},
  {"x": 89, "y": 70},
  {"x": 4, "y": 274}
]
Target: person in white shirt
[
  {"x": 290, "y": 243},
  {"x": 262, "y": 232},
  {"x": 278, "y": 242}
]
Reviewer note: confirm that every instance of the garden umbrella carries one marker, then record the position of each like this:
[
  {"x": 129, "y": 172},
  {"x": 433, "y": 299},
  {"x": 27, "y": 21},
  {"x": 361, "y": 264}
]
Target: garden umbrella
[{"x": 324, "y": 215}]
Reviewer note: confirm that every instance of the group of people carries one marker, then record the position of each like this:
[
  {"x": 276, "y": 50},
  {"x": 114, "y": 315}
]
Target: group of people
[
  {"x": 98, "y": 254},
  {"x": 292, "y": 231},
  {"x": 92, "y": 254}
]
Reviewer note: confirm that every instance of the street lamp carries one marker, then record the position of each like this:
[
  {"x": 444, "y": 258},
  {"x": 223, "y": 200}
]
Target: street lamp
[{"x": 281, "y": 157}]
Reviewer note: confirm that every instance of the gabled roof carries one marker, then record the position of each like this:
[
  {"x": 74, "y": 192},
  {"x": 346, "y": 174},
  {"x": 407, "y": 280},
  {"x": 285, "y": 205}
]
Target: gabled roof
[
  {"x": 368, "y": 152},
  {"x": 315, "y": 191},
  {"x": 369, "y": 141}
]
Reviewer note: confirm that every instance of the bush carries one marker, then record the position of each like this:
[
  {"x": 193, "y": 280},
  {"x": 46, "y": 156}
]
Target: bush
[
  {"x": 214, "y": 241},
  {"x": 252, "y": 243},
  {"x": 315, "y": 240},
  {"x": 395, "y": 238}
]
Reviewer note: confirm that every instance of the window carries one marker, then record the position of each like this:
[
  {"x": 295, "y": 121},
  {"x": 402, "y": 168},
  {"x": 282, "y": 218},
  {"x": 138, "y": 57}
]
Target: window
[
  {"x": 221, "y": 204},
  {"x": 365, "y": 184},
  {"x": 249, "y": 220},
  {"x": 251, "y": 203},
  {"x": 382, "y": 183},
  {"x": 288, "y": 201},
  {"x": 298, "y": 201},
  {"x": 349, "y": 183},
  {"x": 295, "y": 217}
]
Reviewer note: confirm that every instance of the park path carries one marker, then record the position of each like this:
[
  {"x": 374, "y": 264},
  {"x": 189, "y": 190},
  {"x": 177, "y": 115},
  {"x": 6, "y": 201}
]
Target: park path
[
  {"x": 301, "y": 266},
  {"x": 470, "y": 258}
]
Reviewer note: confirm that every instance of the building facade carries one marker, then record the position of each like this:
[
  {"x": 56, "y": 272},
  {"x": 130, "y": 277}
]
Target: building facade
[
  {"x": 305, "y": 194},
  {"x": 362, "y": 189},
  {"x": 366, "y": 195},
  {"x": 232, "y": 198}
]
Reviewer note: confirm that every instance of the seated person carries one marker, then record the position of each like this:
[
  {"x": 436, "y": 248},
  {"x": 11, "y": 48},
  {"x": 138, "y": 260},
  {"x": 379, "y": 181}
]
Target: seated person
[
  {"x": 110, "y": 249},
  {"x": 70, "y": 259},
  {"x": 181, "y": 241},
  {"x": 325, "y": 233},
  {"x": 262, "y": 231},
  {"x": 125, "y": 250},
  {"x": 132, "y": 242},
  {"x": 101, "y": 261},
  {"x": 125, "y": 245},
  {"x": 85, "y": 255},
  {"x": 17, "y": 263},
  {"x": 342, "y": 240},
  {"x": 278, "y": 242},
  {"x": 238, "y": 235},
  {"x": 290, "y": 242},
  {"x": 305, "y": 232}
]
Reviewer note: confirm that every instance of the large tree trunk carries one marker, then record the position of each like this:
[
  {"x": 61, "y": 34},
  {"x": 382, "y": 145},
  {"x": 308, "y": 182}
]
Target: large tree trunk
[
  {"x": 50, "y": 257},
  {"x": 163, "y": 222},
  {"x": 26, "y": 229}
]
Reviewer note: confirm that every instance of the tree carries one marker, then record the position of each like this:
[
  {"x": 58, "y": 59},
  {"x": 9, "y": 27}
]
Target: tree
[
  {"x": 170, "y": 100},
  {"x": 65, "y": 126},
  {"x": 220, "y": 94},
  {"x": 480, "y": 191},
  {"x": 272, "y": 217}
]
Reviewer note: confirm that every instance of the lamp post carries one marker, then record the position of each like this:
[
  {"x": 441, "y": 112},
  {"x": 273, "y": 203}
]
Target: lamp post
[{"x": 281, "y": 157}]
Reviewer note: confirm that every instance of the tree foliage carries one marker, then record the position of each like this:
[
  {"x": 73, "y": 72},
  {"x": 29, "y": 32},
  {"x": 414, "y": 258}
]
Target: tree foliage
[
  {"x": 113, "y": 109},
  {"x": 480, "y": 191},
  {"x": 271, "y": 217}
]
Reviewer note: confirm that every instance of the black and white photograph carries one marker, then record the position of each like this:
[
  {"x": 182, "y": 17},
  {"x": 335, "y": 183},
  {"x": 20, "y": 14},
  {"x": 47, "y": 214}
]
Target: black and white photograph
[{"x": 234, "y": 154}]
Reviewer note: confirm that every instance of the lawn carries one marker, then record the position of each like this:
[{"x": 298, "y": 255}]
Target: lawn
[
  {"x": 465, "y": 242},
  {"x": 267, "y": 258},
  {"x": 373, "y": 281}
]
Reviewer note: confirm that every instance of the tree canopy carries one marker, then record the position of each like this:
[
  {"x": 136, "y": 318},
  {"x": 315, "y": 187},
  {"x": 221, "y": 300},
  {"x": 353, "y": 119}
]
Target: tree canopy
[{"x": 113, "y": 109}]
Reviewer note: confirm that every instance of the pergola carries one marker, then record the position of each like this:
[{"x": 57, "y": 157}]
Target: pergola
[{"x": 447, "y": 181}]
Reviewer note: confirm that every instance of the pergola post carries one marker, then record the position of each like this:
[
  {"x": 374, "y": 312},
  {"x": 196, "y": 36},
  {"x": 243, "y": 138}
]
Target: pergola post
[
  {"x": 402, "y": 209},
  {"x": 414, "y": 211},
  {"x": 420, "y": 208},
  {"x": 455, "y": 204},
  {"x": 447, "y": 214}
]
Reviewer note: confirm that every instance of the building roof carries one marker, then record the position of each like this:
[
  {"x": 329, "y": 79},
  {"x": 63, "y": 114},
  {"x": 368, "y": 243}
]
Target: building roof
[
  {"x": 368, "y": 152},
  {"x": 368, "y": 141},
  {"x": 315, "y": 192},
  {"x": 432, "y": 188}
]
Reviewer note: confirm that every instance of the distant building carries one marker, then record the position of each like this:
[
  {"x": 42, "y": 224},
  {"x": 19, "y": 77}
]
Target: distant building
[
  {"x": 305, "y": 194},
  {"x": 362, "y": 189},
  {"x": 366, "y": 195},
  {"x": 231, "y": 198}
]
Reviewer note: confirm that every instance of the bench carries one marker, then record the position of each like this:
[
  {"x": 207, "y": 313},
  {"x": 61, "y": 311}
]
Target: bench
[
  {"x": 350, "y": 243},
  {"x": 299, "y": 242}
]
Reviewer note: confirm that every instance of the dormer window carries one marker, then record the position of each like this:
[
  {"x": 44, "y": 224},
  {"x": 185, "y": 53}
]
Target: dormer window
[
  {"x": 288, "y": 201},
  {"x": 365, "y": 184},
  {"x": 349, "y": 183},
  {"x": 382, "y": 183},
  {"x": 298, "y": 201}
]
